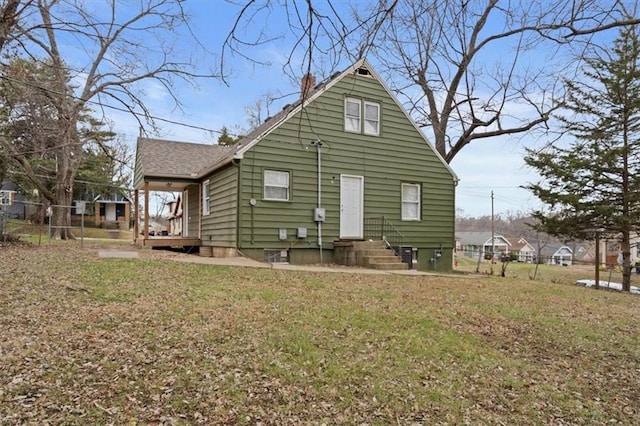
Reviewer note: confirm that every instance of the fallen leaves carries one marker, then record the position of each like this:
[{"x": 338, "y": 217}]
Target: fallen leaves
[{"x": 149, "y": 340}]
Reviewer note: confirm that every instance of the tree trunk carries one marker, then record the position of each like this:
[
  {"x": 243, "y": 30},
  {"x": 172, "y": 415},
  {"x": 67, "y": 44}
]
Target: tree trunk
[
  {"x": 626, "y": 261},
  {"x": 68, "y": 160},
  {"x": 61, "y": 218}
]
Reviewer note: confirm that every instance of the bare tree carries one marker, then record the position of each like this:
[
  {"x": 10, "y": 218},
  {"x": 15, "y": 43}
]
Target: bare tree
[
  {"x": 323, "y": 32},
  {"x": 9, "y": 12},
  {"x": 459, "y": 66},
  {"x": 258, "y": 111},
  {"x": 465, "y": 69},
  {"x": 121, "y": 47}
]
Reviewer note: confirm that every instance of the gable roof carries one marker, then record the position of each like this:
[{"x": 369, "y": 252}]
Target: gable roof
[
  {"x": 112, "y": 198},
  {"x": 556, "y": 249},
  {"x": 518, "y": 243},
  {"x": 478, "y": 238},
  {"x": 172, "y": 159},
  {"x": 289, "y": 110}
]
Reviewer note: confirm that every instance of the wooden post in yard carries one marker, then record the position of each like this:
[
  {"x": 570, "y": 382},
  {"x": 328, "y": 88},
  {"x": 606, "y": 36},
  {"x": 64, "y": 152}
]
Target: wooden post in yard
[
  {"x": 146, "y": 211},
  {"x": 135, "y": 214}
]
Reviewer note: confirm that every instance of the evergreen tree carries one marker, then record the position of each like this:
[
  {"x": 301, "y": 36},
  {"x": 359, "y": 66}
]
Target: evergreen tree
[
  {"x": 225, "y": 138},
  {"x": 31, "y": 140},
  {"x": 594, "y": 182}
]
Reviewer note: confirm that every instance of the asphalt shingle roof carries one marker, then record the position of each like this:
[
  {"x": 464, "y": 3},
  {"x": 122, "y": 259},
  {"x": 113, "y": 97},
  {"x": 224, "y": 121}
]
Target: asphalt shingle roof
[{"x": 177, "y": 159}]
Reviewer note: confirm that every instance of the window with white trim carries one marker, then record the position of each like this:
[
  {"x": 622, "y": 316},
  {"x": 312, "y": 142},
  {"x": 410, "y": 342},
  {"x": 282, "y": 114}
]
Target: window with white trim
[
  {"x": 276, "y": 185},
  {"x": 410, "y": 201},
  {"x": 6, "y": 198},
  {"x": 371, "y": 118},
  {"x": 205, "y": 198},
  {"x": 358, "y": 121},
  {"x": 352, "y": 115}
]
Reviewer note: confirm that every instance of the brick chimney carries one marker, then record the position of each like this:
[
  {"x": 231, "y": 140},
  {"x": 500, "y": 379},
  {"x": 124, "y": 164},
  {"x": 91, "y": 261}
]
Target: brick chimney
[{"x": 307, "y": 84}]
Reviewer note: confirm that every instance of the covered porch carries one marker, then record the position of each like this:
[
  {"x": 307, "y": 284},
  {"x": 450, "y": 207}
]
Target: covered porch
[
  {"x": 179, "y": 168},
  {"x": 183, "y": 218}
]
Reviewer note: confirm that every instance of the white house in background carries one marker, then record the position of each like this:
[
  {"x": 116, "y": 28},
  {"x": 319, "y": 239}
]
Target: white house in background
[
  {"x": 477, "y": 243},
  {"x": 521, "y": 248},
  {"x": 556, "y": 254}
]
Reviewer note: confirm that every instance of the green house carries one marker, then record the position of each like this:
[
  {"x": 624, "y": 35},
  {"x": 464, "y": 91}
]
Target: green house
[{"x": 344, "y": 164}]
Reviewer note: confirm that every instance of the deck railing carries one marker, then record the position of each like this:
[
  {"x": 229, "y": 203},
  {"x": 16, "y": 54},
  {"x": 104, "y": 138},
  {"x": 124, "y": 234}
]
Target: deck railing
[{"x": 379, "y": 228}]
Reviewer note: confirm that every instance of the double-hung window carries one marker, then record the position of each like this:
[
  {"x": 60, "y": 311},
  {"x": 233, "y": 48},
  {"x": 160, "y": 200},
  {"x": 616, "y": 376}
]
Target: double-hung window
[
  {"x": 276, "y": 185},
  {"x": 361, "y": 116},
  {"x": 371, "y": 118},
  {"x": 205, "y": 198},
  {"x": 352, "y": 115},
  {"x": 410, "y": 201}
]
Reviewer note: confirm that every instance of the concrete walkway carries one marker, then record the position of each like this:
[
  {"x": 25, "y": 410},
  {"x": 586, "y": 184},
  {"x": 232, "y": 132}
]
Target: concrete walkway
[
  {"x": 118, "y": 254},
  {"x": 250, "y": 263}
]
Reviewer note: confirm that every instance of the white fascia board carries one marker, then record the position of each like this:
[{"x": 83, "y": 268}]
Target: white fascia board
[{"x": 406, "y": 113}]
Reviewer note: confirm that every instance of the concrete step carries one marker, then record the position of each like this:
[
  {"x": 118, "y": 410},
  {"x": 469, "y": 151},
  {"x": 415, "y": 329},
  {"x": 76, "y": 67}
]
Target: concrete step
[
  {"x": 368, "y": 245},
  {"x": 382, "y": 259},
  {"x": 390, "y": 266},
  {"x": 376, "y": 252},
  {"x": 382, "y": 262}
]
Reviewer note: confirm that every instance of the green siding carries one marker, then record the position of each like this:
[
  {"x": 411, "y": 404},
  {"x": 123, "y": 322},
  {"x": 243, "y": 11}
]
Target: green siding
[
  {"x": 137, "y": 173},
  {"x": 219, "y": 227},
  {"x": 193, "y": 211},
  {"x": 398, "y": 155}
]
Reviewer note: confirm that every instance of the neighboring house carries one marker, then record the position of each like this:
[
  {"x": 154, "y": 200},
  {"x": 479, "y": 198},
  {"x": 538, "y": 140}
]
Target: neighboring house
[
  {"x": 175, "y": 217},
  {"x": 478, "y": 243},
  {"x": 106, "y": 211},
  {"x": 556, "y": 254},
  {"x": 521, "y": 249},
  {"x": 584, "y": 253},
  {"x": 12, "y": 202},
  {"x": 113, "y": 209},
  {"x": 347, "y": 163}
]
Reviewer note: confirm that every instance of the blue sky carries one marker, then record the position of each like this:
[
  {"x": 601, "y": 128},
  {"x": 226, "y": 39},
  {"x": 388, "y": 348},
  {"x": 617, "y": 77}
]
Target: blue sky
[{"x": 483, "y": 166}]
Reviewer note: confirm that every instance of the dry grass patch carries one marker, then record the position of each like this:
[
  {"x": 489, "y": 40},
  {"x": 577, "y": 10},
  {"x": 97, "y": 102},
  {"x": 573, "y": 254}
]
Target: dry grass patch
[{"x": 97, "y": 341}]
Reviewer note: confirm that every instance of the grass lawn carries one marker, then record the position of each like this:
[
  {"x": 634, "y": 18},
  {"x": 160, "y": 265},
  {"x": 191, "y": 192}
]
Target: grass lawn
[
  {"x": 125, "y": 341},
  {"x": 38, "y": 234}
]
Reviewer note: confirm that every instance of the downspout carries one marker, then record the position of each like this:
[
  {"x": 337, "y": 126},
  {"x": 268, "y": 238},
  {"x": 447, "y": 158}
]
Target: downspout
[{"x": 318, "y": 145}]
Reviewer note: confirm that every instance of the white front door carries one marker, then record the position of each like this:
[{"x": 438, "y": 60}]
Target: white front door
[
  {"x": 110, "y": 212},
  {"x": 351, "y": 206}
]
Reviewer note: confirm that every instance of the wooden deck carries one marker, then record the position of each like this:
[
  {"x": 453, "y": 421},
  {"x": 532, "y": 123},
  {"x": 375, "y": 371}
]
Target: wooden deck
[{"x": 170, "y": 241}]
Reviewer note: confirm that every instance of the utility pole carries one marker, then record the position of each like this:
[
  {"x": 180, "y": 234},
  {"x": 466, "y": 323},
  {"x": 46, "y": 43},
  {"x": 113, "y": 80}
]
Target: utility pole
[{"x": 493, "y": 241}]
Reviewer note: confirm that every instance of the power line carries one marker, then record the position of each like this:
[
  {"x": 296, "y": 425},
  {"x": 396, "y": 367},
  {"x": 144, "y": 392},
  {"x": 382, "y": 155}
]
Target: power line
[
  {"x": 15, "y": 172},
  {"x": 152, "y": 117}
]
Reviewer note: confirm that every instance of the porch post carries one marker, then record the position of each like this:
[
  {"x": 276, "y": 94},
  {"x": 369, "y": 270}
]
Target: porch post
[
  {"x": 146, "y": 210},
  {"x": 135, "y": 215}
]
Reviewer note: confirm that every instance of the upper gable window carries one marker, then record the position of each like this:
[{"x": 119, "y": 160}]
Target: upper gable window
[
  {"x": 276, "y": 185},
  {"x": 352, "y": 115},
  {"x": 354, "y": 120},
  {"x": 371, "y": 118}
]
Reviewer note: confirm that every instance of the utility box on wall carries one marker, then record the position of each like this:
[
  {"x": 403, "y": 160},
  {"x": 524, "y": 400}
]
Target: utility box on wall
[{"x": 319, "y": 214}]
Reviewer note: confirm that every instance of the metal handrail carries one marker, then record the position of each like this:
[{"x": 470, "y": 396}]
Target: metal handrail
[{"x": 379, "y": 228}]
